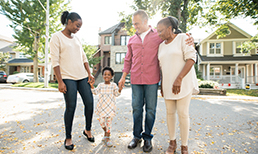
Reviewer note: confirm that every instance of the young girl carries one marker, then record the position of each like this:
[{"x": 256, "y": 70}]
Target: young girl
[{"x": 106, "y": 107}]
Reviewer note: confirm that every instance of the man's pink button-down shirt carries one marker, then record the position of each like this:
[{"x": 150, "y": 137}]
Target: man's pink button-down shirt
[{"x": 142, "y": 58}]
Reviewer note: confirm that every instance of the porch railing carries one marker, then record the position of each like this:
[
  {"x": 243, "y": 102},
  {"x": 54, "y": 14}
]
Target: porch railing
[
  {"x": 252, "y": 79},
  {"x": 225, "y": 79}
]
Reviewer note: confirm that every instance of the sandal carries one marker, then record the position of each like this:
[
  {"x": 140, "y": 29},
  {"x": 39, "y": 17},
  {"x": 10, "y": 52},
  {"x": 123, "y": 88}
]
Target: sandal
[
  {"x": 89, "y": 139},
  {"x": 108, "y": 143}
]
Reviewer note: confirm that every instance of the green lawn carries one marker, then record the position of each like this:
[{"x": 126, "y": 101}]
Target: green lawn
[
  {"x": 242, "y": 92},
  {"x": 36, "y": 85}
]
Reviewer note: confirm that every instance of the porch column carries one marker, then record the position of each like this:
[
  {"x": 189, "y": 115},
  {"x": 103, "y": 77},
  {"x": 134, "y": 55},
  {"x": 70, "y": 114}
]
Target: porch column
[
  {"x": 236, "y": 71},
  {"x": 255, "y": 73},
  {"x": 203, "y": 71},
  {"x": 230, "y": 71},
  {"x": 52, "y": 74},
  {"x": 7, "y": 69},
  {"x": 208, "y": 71},
  {"x": 252, "y": 73},
  {"x": 246, "y": 73}
]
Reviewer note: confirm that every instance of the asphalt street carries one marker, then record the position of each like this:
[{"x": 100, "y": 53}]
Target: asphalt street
[{"x": 31, "y": 121}]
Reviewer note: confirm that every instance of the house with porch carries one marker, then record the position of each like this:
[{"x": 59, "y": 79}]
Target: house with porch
[
  {"x": 113, "y": 48},
  {"x": 18, "y": 62},
  {"x": 223, "y": 60}
]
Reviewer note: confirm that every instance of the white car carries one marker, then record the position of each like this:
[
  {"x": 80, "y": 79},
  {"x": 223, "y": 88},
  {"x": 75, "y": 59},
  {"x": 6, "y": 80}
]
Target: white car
[{"x": 22, "y": 78}]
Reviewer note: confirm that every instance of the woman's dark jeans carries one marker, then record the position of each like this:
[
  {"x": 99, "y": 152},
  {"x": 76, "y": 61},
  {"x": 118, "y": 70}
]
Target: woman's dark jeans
[{"x": 70, "y": 100}]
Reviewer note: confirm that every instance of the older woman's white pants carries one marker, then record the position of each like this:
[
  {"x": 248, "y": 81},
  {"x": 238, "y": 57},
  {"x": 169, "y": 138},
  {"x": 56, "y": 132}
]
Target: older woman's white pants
[{"x": 180, "y": 106}]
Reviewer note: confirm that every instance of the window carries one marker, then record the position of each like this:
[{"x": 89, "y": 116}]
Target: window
[
  {"x": 25, "y": 69},
  {"x": 239, "y": 49},
  {"x": 215, "y": 72},
  {"x": 120, "y": 57},
  {"x": 215, "y": 48},
  {"x": 124, "y": 40},
  {"x": 21, "y": 55},
  {"x": 108, "y": 40}
]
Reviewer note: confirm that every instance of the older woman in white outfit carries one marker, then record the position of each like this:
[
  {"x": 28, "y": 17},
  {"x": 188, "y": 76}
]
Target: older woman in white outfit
[{"x": 178, "y": 79}]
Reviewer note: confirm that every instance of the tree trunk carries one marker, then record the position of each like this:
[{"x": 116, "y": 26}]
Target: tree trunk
[
  {"x": 35, "y": 59},
  {"x": 179, "y": 16},
  {"x": 184, "y": 16}
]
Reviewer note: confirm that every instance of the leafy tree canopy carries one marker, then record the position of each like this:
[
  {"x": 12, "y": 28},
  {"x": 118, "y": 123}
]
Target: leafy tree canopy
[{"x": 89, "y": 51}]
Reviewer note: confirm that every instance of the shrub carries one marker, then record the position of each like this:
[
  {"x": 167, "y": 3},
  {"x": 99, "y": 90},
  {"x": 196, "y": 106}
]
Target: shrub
[
  {"x": 208, "y": 84},
  {"x": 15, "y": 72}
]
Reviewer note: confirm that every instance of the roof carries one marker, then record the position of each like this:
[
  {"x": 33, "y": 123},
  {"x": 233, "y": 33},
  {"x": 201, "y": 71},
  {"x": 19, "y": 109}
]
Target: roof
[
  {"x": 230, "y": 25},
  {"x": 113, "y": 29},
  {"x": 7, "y": 39},
  {"x": 20, "y": 60},
  {"x": 230, "y": 58},
  {"x": 8, "y": 49}
]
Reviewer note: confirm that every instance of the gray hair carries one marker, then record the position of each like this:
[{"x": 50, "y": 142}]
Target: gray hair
[
  {"x": 142, "y": 14},
  {"x": 171, "y": 21}
]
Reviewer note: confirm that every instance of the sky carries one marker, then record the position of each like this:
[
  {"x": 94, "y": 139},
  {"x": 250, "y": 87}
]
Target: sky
[{"x": 104, "y": 14}]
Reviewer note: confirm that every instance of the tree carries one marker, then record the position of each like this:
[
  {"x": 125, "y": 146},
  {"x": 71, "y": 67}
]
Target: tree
[
  {"x": 222, "y": 11},
  {"x": 199, "y": 13},
  {"x": 4, "y": 57},
  {"x": 89, "y": 51},
  {"x": 185, "y": 11},
  {"x": 28, "y": 21}
]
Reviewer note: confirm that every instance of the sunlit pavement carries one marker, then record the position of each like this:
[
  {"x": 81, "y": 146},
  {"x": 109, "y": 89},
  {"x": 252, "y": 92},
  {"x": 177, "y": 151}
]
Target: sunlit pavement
[{"x": 31, "y": 121}]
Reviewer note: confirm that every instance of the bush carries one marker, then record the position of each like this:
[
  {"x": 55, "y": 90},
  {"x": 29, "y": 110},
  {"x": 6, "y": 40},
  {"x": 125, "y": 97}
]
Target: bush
[
  {"x": 208, "y": 84},
  {"x": 15, "y": 72}
]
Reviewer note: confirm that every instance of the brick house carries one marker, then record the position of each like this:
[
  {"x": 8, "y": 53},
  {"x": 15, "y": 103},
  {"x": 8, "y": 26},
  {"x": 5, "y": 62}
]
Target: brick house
[{"x": 113, "y": 48}]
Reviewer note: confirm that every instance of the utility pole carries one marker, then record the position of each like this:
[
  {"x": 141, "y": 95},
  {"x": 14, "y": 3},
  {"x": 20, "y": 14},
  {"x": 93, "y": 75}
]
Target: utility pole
[
  {"x": 46, "y": 44},
  {"x": 46, "y": 47}
]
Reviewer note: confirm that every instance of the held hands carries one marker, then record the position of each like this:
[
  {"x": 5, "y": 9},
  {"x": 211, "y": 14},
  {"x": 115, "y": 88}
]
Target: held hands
[
  {"x": 120, "y": 89},
  {"x": 190, "y": 40},
  {"x": 91, "y": 81},
  {"x": 177, "y": 86},
  {"x": 121, "y": 83}
]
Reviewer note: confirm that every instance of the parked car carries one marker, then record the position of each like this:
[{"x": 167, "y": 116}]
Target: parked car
[
  {"x": 22, "y": 78},
  {"x": 3, "y": 76}
]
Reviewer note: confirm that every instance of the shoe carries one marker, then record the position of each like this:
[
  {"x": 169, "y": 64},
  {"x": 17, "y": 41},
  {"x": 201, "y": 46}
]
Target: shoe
[
  {"x": 68, "y": 147},
  {"x": 147, "y": 147},
  {"x": 184, "y": 149},
  {"x": 133, "y": 143},
  {"x": 90, "y": 139},
  {"x": 172, "y": 147},
  {"x": 108, "y": 143}
]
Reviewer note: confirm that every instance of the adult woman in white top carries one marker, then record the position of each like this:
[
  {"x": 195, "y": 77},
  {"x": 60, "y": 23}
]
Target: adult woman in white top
[
  {"x": 178, "y": 79},
  {"x": 72, "y": 71}
]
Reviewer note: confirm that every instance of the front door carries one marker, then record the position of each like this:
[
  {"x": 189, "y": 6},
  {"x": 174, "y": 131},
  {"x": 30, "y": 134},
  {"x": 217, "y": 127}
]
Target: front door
[{"x": 241, "y": 71}]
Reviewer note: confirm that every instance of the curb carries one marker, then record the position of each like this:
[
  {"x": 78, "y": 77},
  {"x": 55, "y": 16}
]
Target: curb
[
  {"x": 245, "y": 98},
  {"x": 202, "y": 97},
  {"x": 35, "y": 89}
]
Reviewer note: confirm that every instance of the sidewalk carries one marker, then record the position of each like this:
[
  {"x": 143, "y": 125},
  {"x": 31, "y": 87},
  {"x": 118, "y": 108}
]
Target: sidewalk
[{"x": 247, "y": 98}]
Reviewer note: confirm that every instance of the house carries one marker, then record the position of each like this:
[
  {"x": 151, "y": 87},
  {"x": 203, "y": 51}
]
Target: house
[
  {"x": 224, "y": 60},
  {"x": 23, "y": 65},
  {"x": 18, "y": 61},
  {"x": 5, "y": 41},
  {"x": 113, "y": 48}
]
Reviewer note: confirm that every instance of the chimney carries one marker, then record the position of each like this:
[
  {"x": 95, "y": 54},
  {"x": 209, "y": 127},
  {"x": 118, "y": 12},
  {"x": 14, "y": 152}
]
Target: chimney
[{"x": 99, "y": 38}]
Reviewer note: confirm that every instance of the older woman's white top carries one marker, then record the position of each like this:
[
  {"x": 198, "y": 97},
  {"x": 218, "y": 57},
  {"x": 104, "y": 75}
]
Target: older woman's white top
[{"x": 172, "y": 59}]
